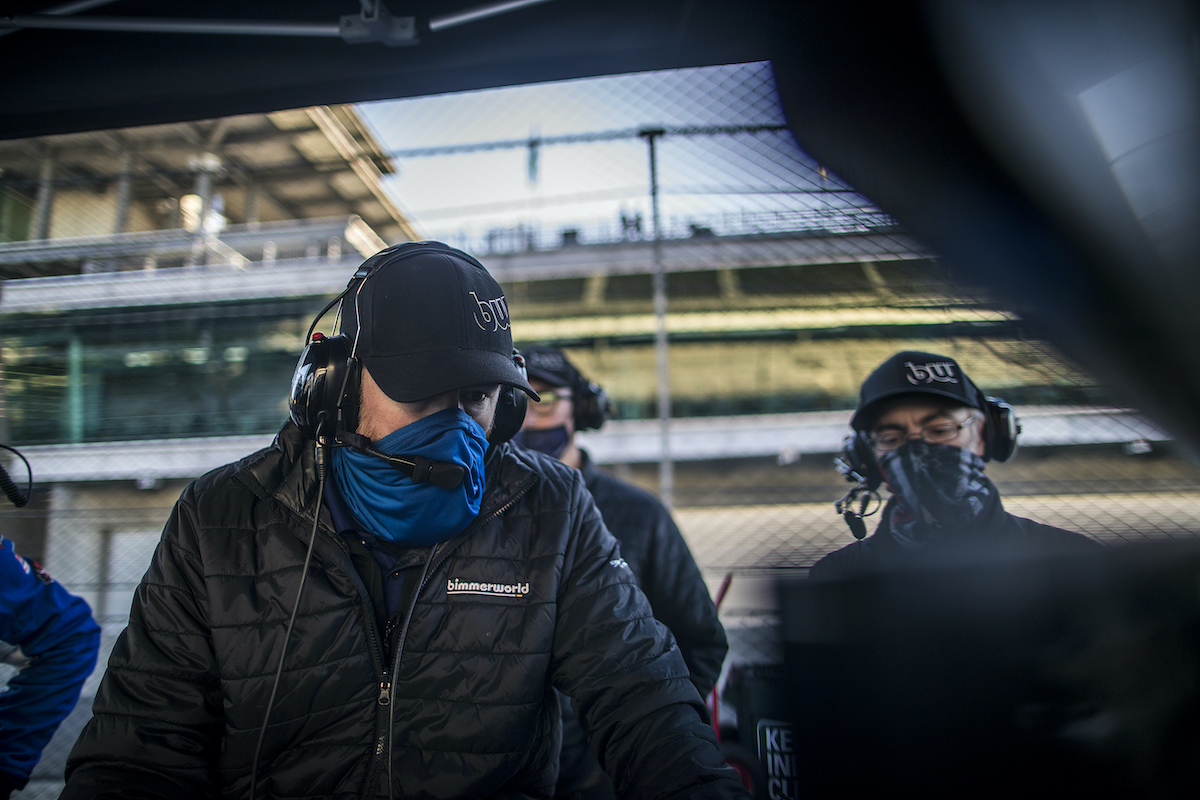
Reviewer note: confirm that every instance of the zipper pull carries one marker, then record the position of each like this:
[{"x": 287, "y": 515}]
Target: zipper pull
[{"x": 385, "y": 693}]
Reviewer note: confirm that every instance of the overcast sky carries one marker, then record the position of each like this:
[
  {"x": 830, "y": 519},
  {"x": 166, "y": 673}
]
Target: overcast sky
[{"x": 590, "y": 184}]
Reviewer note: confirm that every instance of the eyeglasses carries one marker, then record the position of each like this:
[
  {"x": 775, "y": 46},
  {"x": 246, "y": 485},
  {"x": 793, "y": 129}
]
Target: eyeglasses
[
  {"x": 549, "y": 401},
  {"x": 937, "y": 433}
]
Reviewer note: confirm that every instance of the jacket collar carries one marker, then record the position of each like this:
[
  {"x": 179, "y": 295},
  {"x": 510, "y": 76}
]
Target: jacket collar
[{"x": 286, "y": 472}]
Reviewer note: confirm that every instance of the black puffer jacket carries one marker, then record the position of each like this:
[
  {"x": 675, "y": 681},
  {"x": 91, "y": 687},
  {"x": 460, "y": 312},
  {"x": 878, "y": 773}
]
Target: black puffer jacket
[
  {"x": 1012, "y": 538},
  {"x": 659, "y": 557},
  {"x": 665, "y": 570},
  {"x": 181, "y": 705}
]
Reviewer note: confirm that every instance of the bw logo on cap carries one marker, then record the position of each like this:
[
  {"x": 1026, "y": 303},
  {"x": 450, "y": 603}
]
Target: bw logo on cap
[
  {"x": 940, "y": 371},
  {"x": 912, "y": 372}
]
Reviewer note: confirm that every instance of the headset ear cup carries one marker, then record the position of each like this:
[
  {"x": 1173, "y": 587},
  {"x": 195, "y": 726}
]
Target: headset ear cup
[
  {"x": 510, "y": 414},
  {"x": 860, "y": 456},
  {"x": 510, "y": 409},
  {"x": 1000, "y": 438},
  {"x": 511, "y": 406},
  {"x": 592, "y": 407},
  {"x": 317, "y": 386}
]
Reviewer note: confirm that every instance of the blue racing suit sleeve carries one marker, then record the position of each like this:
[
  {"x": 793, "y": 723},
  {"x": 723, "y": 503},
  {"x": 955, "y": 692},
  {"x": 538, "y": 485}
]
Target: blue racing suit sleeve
[{"x": 57, "y": 640}]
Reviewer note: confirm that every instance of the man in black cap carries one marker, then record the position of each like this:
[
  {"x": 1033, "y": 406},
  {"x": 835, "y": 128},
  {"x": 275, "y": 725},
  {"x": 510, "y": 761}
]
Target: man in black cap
[
  {"x": 924, "y": 430},
  {"x": 650, "y": 543},
  {"x": 383, "y": 602}
]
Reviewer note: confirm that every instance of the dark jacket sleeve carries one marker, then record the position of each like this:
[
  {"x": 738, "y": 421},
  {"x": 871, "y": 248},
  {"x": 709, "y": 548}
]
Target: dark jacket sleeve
[
  {"x": 666, "y": 571},
  {"x": 57, "y": 640},
  {"x": 842, "y": 563},
  {"x": 158, "y": 715},
  {"x": 627, "y": 680},
  {"x": 680, "y": 599}
]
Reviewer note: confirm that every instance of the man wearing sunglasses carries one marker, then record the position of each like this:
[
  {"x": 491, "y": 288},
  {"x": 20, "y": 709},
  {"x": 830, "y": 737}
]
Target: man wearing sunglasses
[
  {"x": 924, "y": 430},
  {"x": 650, "y": 543}
]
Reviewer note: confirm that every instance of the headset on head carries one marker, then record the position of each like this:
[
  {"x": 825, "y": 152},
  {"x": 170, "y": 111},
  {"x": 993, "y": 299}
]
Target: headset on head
[
  {"x": 1000, "y": 431},
  {"x": 323, "y": 403},
  {"x": 592, "y": 406},
  {"x": 324, "y": 397}
]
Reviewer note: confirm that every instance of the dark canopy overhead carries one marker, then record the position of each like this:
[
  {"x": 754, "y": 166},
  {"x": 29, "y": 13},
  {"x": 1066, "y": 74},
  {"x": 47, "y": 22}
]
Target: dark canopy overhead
[
  {"x": 1048, "y": 150},
  {"x": 77, "y": 79}
]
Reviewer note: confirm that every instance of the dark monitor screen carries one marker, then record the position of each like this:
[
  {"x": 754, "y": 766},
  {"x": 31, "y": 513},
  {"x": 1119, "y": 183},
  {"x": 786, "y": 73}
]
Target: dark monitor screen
[{"x": 1074, "y": 675}]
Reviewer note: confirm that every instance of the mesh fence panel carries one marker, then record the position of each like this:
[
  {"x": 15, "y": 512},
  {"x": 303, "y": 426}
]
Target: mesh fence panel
[{"x": 784, "y": 288}]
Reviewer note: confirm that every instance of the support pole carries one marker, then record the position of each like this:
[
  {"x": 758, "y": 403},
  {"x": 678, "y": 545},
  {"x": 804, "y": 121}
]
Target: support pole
[
  {"x": 207, "y": 165},
  {"x": 253, "y": 199},
  {"x": 666, "y": 467},
  {"x": 75, "y": 380},
  {"x": 124, "y": 190},
  {"x": 39, "y": 226}
]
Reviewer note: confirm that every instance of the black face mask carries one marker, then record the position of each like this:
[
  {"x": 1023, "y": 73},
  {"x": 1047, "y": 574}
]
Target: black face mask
[
  {"x": 938, "y": 490},
  {"x": 551, "y": 441}
]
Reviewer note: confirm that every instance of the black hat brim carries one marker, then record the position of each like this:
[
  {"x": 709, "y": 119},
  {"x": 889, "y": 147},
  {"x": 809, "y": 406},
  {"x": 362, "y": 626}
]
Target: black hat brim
[
  {"x": 416, "y": 376},
  {"x": 549, "y": 377},
  {"x": 863, "y": 416}
]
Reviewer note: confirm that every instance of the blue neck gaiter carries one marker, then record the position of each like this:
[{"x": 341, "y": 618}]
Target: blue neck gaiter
[{"x": 388, "y": 504}]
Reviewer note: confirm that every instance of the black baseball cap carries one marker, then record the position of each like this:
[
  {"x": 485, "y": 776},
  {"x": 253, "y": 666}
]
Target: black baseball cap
[
  {"x": 913, "y": 372},
  {"x": 426, "y": 318},
  {"x": 550, "y": 364}
]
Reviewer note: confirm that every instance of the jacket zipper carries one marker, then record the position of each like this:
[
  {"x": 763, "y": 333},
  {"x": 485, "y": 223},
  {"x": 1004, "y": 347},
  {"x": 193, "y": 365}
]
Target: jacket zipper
[
  {"x": 377, "y": 660},
  {"x": 381, "y": 746},
  {"x": 386, "y": 685}
]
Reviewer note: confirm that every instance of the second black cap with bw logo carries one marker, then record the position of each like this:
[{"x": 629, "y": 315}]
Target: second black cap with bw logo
[{"x": 914, "y": 372}]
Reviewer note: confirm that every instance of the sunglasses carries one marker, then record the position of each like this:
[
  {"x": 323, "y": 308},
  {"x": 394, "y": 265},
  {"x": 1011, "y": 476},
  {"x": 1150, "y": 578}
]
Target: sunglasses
[{"x": 550, "y": 398}]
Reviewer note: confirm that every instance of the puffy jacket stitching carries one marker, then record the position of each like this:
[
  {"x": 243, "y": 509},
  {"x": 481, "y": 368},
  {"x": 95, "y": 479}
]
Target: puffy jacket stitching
[
  {"x": 606, "y": 587},
  {"x": 132, "y": 715},
  {"x": 226, "y": 527},
  {"x": 220, "y": 678},
  {"x": 135, "y": 766},
  {"x": 311, "y": 742},
  {"x": 271, "y": 673},
  {"x": 492, "y": 559},
  {"x": 259, "y": 623},
  {"x": 216, "y": 681},
  {"x": 505, "y": 654},
  {"x": 604, "y": 629},
  {"x": 173, "y": 632},
  {"x": 174, "y": 545},
  {"x": 437, "y": 699},
  {"x": 427, "y": 749},
  {"x": 169, "y": 588},
  {"x": 305, "y": 716},
  {"x": 265, "y": 572}
]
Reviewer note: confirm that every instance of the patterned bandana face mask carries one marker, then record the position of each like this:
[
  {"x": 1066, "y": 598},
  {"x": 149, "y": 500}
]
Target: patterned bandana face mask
[{"x": 939, "y": 490}]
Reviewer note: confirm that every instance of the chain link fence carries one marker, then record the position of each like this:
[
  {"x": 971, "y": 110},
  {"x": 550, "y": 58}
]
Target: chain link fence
[{"x": 728, "y": 291}]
